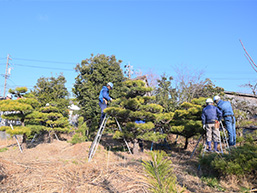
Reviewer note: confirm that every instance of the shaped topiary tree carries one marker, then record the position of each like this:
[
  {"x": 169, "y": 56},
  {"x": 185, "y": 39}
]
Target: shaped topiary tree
[
  {"x": 49, "y": 119},
  {"x": 136, "y": 113},
  {"x": 18, "y": 111},
  {"x": 186, "y": 121}
]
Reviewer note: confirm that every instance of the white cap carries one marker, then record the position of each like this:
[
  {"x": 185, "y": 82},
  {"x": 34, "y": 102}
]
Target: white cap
[
  {"x": 216, "y": 98},
  {"x": 110, "y": 84},
  {"x": 9, "y": 96},
  {"x": 209, "y": 100}
]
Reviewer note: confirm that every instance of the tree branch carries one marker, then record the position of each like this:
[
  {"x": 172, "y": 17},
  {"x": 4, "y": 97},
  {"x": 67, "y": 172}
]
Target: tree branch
[{"x": 249, "y": 57}]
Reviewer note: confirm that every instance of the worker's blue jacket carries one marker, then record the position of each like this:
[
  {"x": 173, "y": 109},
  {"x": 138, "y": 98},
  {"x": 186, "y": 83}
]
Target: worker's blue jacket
[
  {"x": 225, "y": 107},
  {"x": 104, "y": 93},
  {"x": 210, "y": 114}
]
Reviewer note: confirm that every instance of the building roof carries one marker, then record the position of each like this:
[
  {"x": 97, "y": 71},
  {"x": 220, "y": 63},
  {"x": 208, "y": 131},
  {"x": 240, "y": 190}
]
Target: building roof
[{"x": 240, "y": 94}]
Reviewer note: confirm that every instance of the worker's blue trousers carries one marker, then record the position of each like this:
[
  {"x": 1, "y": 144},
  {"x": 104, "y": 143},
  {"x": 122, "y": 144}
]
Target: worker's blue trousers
[
  {"x": 230, "y": 123},
  {"x": 102, "y": 106}
]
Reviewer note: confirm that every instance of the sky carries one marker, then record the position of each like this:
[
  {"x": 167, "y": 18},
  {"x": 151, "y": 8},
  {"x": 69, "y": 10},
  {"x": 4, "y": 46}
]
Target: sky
[{"x": 46, "y": 38}]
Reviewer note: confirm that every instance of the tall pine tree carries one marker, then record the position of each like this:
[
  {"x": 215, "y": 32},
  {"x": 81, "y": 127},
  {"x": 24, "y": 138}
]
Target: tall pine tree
[
  {"x": 52, "y": 90},
  {"x": 94, "y": 73}
]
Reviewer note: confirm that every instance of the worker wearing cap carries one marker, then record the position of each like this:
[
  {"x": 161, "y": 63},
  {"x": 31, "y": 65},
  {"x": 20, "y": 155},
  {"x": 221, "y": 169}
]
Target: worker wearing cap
[
  {"x": 9, "y": 97},
  {"x": 210, "y": 115},
  {"x": 104, "y": 98},
  {"x": 229, "y": 118}
]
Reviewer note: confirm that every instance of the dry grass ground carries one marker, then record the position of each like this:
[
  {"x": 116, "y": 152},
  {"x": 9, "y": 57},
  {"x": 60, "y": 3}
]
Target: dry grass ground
[{"x": 62, "y": 167}]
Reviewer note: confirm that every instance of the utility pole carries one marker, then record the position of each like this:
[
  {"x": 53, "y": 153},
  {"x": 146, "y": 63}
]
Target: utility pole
[
  {"x": 129, "y": 70},
  {"x": 6, "y": 73}
]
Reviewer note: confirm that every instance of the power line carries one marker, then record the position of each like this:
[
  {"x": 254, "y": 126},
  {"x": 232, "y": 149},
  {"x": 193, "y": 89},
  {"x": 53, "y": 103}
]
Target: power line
[
  {"x": 45, "y": 61},
  {"x": 49, "y": 68},
  {"x": 232, "y": 79}
]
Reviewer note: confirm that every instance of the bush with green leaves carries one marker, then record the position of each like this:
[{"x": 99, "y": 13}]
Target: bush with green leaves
[
  {"x": 240, "y": 161},
  {"x": 160, "y": 174}
]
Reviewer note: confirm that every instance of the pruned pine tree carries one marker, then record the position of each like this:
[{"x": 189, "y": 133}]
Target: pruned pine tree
[
  {"x": 50, "y": 122},
  {"x": 166, "y": 95},
  {"x": 94, "y": 73},
  {"x": 52, "y": 90},
  {"x": 134, "y": 106},
  {"x": 18, "y": 110},
  {"x": 19, "y": 92},
  {"x": 186, "y": 121}
]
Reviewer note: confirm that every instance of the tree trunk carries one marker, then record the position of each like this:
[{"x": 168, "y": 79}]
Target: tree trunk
[
  {"x": 24, "y": 142},
  {"x": 186, "y": 143},
  {"x": 135, "y": 147}
]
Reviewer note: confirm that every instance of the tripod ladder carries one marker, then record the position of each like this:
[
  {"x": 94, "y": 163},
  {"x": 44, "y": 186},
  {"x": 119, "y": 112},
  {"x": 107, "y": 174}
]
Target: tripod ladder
[{"x": 98, "y": 136}]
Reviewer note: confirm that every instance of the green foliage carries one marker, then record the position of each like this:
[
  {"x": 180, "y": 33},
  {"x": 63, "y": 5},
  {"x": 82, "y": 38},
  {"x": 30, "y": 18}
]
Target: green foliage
[
  {"x": 153, "y": 108},
  {"x": 186, "y": 120},
  {"x": 3, "y": 149},
  {"x": 80, "y": 133},
  {"x": 15, "y": 105},
  {"x": 18, "y": 110},
  {"x": 18, "y": 91},
  {"x": 164, "y": 117},
  {"x": 52, "y": 120},
  {"x": 18, "y": 130},
  {"x": 213, "y": 182},
  {"x": 52, "y": 90},
  {"x": 160, "y": 174},
  {"x": 242, "y": 118},
  {"x": 166, "y": 95},
  {"x": 239, "y": 161},
  {"x": 36, "y": 129},
  {"x": 94, "y": 73},
  {"x": 134, "y": 106}
]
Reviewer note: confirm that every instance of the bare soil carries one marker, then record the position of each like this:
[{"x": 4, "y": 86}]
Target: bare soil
[{"x": 62, "y": 167}]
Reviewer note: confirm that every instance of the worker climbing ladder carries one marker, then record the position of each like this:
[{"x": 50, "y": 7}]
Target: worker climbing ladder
[{"x": 98, "y": 136}]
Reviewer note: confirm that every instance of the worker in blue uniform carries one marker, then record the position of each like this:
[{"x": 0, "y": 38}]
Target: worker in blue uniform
[
  {"x": 211, "y": 115},
  {"x": 104, "y": 98},
  {"x": 229, "y": 118}
]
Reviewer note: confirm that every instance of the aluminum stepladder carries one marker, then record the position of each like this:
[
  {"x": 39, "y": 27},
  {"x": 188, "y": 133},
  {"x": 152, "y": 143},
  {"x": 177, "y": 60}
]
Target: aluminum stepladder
[
  {"x": 98, "y": 136},
  {"x": 223, "y": 138}
]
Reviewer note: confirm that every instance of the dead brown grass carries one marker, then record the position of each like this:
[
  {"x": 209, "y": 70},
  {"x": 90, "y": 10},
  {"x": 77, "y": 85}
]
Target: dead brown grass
[{"x": 62, "y": 167}]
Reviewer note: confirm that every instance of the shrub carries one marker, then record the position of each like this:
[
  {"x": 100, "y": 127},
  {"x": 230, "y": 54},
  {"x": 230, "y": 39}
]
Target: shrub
[{"x": 239, "y": 161}]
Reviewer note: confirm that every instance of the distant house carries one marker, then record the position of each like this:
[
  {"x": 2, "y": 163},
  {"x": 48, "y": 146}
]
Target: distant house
[{"x": 144, "y": 78}]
